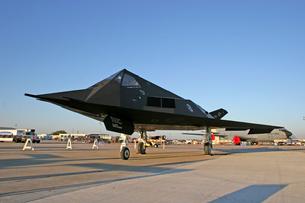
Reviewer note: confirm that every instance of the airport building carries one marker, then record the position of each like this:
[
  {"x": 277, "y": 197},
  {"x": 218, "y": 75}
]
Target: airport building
[
  {"x": 82, "y": 137},
  {"x": 73, "y": 136}
]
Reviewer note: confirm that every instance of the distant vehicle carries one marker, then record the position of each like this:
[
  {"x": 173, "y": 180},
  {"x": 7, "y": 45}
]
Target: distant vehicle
[
  {"x": 6, "y": 137},
  {"x": 35, "y": 138},
  {"x": 45, "y": 136},
  {"x": 17, "y": 138},
  {"x": 295, "y": 142},
  {"x": 13, "y": 131},
  {"x": 91, "y": 137},
  {"x": 155, "y": 141},
  {"x": 27, "y": 134}
]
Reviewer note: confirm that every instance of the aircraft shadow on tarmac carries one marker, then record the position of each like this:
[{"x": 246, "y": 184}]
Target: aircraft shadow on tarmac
[
  {"x": 257, "y": 150},
  {"x": 154, "y": 170},
  {"x": 166, "y": 155},
  {"x": 252, "y": 193},
  {"x": 38, "y": 160},
  {"x": 50, "y": 175},
  {"x": 78, "y": 186}
]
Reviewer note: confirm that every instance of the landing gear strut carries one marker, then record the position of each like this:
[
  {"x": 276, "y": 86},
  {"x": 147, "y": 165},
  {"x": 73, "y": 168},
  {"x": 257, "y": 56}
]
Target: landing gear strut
[
  {"x": 142, "y": 142},
  {"x": 207, "y": 142},
  {"x": 124, "y": 150},
  {"x": 141, "y": 148}
]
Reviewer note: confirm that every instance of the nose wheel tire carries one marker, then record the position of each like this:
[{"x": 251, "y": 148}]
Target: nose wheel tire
[{"x": 125, "y": 153}]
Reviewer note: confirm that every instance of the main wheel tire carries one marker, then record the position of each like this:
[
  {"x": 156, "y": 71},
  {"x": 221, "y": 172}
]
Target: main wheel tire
[
  {"x": 207, "y": 149},
  {"x": 141, "y": 148},
  {"x": 125, "y": 153}
]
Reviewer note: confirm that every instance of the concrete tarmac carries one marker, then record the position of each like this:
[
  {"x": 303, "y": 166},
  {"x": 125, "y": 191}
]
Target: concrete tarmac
[{"x": 180, "y": 173}]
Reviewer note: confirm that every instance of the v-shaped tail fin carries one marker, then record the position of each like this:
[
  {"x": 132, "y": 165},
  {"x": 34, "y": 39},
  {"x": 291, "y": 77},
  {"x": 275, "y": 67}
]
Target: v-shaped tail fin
[{"x": 219, "y": 113}]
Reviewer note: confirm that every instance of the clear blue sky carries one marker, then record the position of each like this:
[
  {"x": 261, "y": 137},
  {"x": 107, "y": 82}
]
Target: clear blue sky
[{"x": 245, "y": 56}]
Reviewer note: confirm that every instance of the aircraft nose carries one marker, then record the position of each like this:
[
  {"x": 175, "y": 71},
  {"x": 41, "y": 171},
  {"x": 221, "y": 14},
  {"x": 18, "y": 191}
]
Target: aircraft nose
[
  {"x": 289, "y": 134},
  {"x": 60, "y": 96},
  {"x": 46, "y": 97},
  {"x": 286, "y": 132}
]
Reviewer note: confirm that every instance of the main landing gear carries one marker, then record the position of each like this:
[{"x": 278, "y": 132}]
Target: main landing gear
[
  {"x": 142, "y": 142},
  {"x": 207, "y": 142},
  {"x": 141, "y": 148}
]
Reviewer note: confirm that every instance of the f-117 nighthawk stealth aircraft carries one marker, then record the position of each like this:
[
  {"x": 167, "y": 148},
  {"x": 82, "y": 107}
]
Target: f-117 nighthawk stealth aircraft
[{"x": 126, "y": 103}]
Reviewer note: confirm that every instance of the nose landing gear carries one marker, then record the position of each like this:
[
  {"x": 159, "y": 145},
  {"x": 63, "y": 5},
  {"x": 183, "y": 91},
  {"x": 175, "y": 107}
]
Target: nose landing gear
[
  {"x": 124, "y": 150},
  {"x": 125, "y": 153}
]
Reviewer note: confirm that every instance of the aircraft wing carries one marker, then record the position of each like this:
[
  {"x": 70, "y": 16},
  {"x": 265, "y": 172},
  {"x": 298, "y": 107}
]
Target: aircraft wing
[
  {"x": 169, "y": 122},
  {"x": 237, "y": 126}
]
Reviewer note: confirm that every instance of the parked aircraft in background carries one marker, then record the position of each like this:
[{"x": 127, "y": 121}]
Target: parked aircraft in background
[
  {"x": 238, "y": 137},
  {"x": 243, "y": 136},
  {"x": 125, "y": 102}
]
